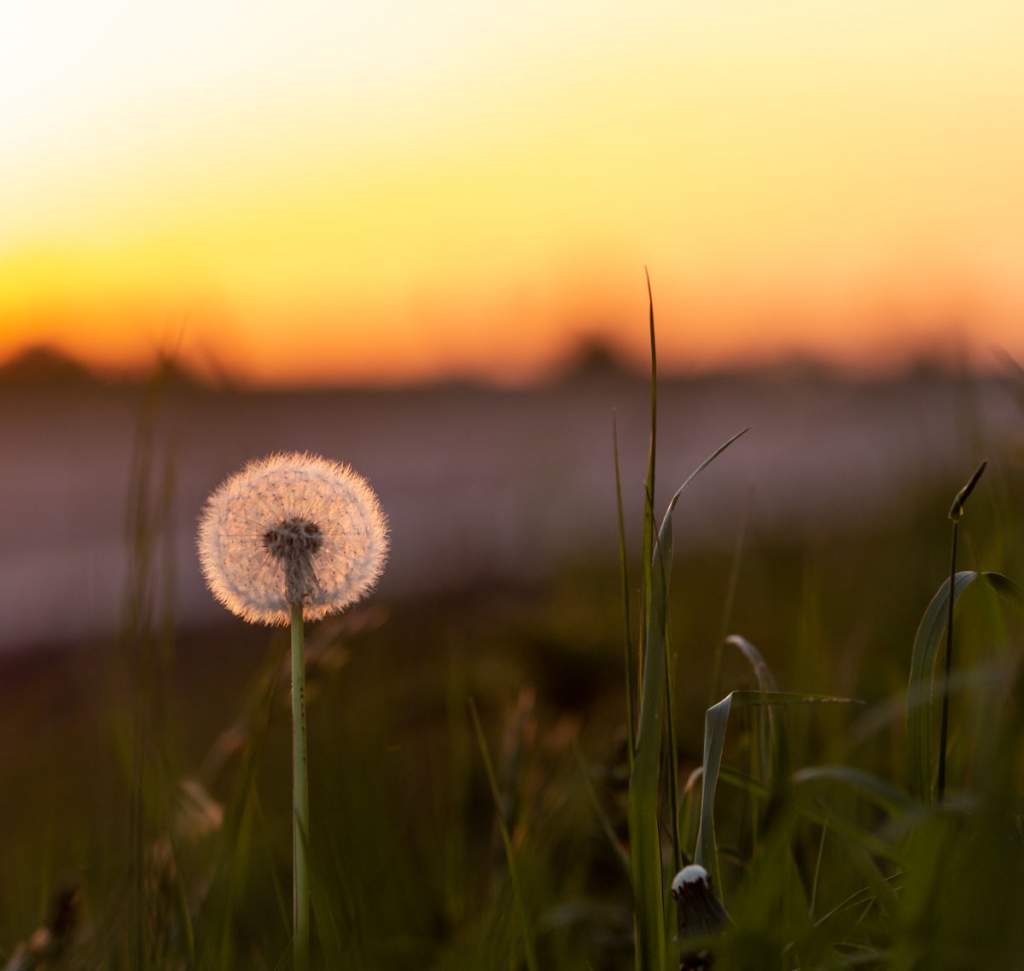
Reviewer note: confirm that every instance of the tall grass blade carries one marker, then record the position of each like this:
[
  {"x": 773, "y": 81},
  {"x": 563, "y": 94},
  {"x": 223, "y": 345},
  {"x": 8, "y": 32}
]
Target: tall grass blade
[
  {"x": 645, "y": 852},
  {"x": 672, "y": 758},
  {"x": 645, "y": 849},
  {"x": 645, "y": 842},
  {"x": 624, "y": 575},
  {"x": 647, "y": 542}
]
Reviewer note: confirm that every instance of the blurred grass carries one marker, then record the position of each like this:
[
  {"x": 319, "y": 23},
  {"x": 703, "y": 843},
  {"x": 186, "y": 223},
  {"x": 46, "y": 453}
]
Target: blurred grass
[
  {"x": 142, "y": 777},
  {"x": 409, "y": 868}
]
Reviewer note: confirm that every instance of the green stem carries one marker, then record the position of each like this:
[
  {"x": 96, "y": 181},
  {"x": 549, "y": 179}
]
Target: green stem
[
  {"x": 300, "y": 797},
  {"x": 944, "y": 731},
  {"x": 673, "y": 762}
]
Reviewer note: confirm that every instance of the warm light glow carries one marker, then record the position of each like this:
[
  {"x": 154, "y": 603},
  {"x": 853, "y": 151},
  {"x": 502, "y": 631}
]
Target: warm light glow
[{"x": 362, "y": 191}]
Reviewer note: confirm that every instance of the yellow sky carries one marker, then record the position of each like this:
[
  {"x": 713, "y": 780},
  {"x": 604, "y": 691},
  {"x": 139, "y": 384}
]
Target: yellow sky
[{"x": 362, "y": 190}]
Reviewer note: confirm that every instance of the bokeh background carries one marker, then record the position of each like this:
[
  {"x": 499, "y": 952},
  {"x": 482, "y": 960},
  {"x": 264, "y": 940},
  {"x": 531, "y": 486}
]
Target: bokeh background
[
  {"x": 443, "y": 214},
  {"x": 413, "y": 236}
]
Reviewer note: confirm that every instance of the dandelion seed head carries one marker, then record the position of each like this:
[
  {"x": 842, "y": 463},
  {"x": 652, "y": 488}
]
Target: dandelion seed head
[
  {"x": 694, "y": 873},
  {"x": 292, "y": 528}
]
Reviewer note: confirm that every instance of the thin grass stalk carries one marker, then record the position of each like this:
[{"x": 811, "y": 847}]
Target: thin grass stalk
[
  {"x": 644, "y": 788},
  {"x": 645, "y": 842},
  {"x": 647, "y": 548},
  {"x": 300, "y": 797},
  {"x": 627, "y": 625},
  {"x": 506, "y": 838},
  {"x": 956, "y": 513},
  {"x": 813, "y": 902},
  {"x": 673, "y": 754},
  {"x": 944, "y": 729}
]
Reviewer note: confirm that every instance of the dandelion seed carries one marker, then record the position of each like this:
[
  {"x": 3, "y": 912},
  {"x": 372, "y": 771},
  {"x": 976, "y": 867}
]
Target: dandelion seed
[{"x": 292, "y": 529}]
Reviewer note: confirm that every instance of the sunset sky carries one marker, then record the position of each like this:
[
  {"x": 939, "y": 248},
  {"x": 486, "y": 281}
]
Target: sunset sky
[{"x": 367, "y": 191}]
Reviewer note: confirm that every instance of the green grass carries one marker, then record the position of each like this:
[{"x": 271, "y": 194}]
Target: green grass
[{"x": 540, "y": 829}]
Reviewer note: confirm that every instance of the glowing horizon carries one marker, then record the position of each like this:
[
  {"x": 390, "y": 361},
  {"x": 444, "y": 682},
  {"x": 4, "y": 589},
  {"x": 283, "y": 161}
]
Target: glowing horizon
[{"x": 369, "y": 192}]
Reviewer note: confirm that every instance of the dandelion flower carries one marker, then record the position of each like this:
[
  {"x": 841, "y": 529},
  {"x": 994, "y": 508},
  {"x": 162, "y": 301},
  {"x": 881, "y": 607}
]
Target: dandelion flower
[
  {"x": 292, "y": 529},
  {"x": 291, "y": 538}
]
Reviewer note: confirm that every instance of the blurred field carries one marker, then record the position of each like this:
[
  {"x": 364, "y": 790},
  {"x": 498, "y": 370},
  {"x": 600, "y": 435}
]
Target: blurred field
[
  {"x": 821, "y": 536},
  {"x": 481, "y": 484}
]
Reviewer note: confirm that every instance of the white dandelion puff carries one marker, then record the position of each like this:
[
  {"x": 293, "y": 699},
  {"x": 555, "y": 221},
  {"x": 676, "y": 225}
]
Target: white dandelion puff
[{"x": 293, "y": 528}]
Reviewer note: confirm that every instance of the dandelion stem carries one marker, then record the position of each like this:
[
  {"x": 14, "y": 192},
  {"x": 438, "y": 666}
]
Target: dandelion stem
[{"x": 300, "y": 797}]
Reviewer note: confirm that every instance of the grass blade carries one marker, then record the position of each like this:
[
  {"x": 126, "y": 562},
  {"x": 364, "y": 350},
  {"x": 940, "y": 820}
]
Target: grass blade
[
  {"x": 506, "y": 838},
  {"x": 645, "y": 841},
  {"x": 769, "y": 751},
  {"x": 772, "y": 747},
  {"x": 647, "y": 543},
  {"x": 624, "y": 575},
  {"x": 665, "y": 522},
  {"x": 716, "y": 722},
  {"x": 883, "y": 794},
  {"x": 645, "y": 850},
  {"x": 648, "y": 885},
  {"x": 921, "y": 757}
]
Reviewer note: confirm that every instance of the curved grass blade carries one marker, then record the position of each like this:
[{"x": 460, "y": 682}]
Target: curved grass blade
[
  {"x": 666, "y": 521},
  {"x": 769, "y": 753},
  {"x": 765, "y": 679},
  {"x": 772, "y": 746},
  {"x": 673, "y": 757},
  {"x": 840, "y": 824},
  {"x": 921, "y": 758},
  {"x": 716, "y": 722},
  {"x": 883, "y": 794}
]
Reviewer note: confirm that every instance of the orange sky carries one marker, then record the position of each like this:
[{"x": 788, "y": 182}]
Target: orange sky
[{"x": 394, "y": 190}]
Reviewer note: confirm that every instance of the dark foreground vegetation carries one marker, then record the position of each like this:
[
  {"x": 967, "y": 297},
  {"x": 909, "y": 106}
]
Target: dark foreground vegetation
[{"x": 146, "y": 797}]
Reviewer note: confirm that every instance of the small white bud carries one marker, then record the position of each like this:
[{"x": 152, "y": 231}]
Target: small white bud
[{"x": 694, "y": 873}]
